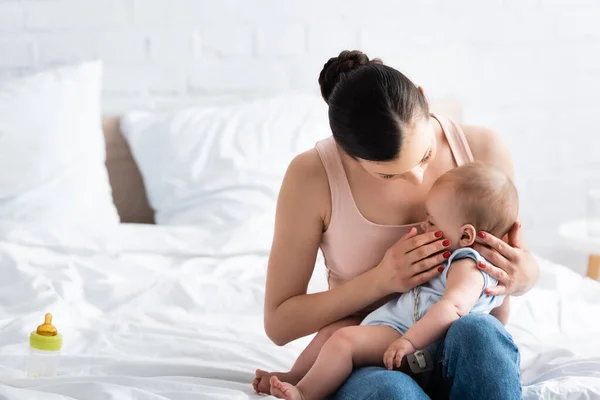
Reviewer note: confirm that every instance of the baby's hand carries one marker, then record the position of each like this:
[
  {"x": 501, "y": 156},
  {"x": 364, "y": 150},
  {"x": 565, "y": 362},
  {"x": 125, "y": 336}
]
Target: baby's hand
[{"x": 395, "y": 353}]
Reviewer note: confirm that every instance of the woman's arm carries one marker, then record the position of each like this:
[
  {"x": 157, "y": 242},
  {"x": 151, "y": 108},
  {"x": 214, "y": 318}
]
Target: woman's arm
[
  {"x": 302, "y": 208},
  {"x": 301, "y": 211},
  {"x": 502, "y": 313},
  {"x": 514, "y": 266}
]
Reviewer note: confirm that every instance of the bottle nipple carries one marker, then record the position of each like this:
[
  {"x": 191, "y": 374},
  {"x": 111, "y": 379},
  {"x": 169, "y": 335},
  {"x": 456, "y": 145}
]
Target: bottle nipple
[{"x": 47, "y": 329}]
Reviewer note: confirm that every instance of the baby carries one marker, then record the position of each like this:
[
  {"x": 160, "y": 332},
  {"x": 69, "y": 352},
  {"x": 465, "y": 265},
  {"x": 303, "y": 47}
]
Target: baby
[{"x": 471, "y": 198}]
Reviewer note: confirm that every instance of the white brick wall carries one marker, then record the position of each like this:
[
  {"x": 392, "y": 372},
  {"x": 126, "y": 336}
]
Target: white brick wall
[
  {"x": 528, "y": 68},
  {"x": 11, "y": 17}
]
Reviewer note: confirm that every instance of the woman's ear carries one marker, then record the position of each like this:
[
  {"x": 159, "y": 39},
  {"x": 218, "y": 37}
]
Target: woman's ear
[
  {"x": 423, "y": 92},
  {"x": 467, "y": 236}
]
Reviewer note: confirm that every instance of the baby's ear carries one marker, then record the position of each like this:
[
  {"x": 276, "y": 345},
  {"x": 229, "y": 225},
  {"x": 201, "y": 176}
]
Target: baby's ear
[{"x": 467, "y": 236}]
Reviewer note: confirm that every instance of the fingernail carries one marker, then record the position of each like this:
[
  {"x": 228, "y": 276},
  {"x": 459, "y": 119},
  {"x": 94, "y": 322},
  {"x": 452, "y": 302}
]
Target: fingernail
[
  {"x": 481, "y": 264},
  {"x": 440, "y": 269},
  {"x": 446, "y": 243},
  {"x": 487, "y": 291},
  {"x": 446, "y": 254},
  {"x": 438, "y": 234},
  {"x": 481, "y": 234}
]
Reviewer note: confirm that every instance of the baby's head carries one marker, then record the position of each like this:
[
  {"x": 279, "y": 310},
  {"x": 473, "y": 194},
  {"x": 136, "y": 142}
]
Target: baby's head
[{"x": 471, "y": 198}]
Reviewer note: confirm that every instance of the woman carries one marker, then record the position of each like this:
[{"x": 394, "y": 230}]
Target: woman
[{"x": 359, "y": 196}]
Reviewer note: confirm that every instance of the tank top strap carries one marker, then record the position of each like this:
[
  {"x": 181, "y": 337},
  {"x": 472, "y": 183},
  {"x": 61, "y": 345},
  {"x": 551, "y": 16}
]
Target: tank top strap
[
  {"x": 336, "y": 175},
  {"x": 456, "y": 140}
]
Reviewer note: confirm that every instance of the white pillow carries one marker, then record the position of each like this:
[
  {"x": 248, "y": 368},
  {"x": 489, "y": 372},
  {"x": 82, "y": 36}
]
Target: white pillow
[
  {"x": 52, "y": 149},
  {"x": 218, "y": 167}
]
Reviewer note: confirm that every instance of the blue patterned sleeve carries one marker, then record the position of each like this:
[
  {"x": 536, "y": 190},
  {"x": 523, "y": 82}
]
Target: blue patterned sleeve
[{"x": 467, "y": 252}]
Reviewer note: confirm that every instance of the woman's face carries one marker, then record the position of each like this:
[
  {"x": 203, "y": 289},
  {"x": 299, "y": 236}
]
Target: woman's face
[{"x": 418, "y": 149}]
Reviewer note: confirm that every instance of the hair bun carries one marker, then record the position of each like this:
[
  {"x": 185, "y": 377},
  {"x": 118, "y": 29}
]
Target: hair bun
[{"x": 338, "y": 66}]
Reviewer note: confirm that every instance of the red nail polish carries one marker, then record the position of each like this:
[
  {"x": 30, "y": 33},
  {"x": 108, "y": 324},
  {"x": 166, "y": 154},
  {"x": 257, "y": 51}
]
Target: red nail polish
[
  {"x": 481, "y": 264},
  {"x": 440, "y": 269},
  {"x": 446, "y": 254},
  {"x": 446, "y": 243},
  {"x": 438, "y": 234},
  {"x": 481, "y": 234}
]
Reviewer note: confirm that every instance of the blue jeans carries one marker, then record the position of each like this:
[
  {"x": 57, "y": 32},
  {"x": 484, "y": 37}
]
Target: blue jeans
[{"x": 477, "y": 360}]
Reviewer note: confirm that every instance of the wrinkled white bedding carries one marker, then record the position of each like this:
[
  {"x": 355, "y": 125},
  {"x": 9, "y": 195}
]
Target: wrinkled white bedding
[{"x": 153, "y": 312}]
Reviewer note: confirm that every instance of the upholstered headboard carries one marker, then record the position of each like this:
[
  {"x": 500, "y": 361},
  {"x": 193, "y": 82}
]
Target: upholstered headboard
[{"x": 127, "y": 184}]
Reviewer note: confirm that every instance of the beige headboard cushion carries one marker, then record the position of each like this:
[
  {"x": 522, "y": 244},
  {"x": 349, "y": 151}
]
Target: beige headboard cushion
[{"x": 127, "y": 184}]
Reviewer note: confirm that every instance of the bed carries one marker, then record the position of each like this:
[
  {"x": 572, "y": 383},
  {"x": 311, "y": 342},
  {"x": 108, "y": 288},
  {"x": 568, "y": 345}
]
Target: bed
[{"x": 164, "y": 312}]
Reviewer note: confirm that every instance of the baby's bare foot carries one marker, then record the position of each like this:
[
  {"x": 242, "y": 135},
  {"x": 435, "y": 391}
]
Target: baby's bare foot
[
  {"x": 262, "y": 381},
  {"x": 283, "y": 390}
]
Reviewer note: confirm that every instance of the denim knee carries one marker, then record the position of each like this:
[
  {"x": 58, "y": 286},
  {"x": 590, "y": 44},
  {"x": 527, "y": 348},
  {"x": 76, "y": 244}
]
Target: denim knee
[
  {"x": 371, "y": 383},
  {"x": 479, "y": 333},
  {"x": 481, "y": 359}
]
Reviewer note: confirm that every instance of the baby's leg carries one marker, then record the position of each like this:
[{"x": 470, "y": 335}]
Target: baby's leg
[
  {"x": 306, "y": 359},
  {"x": 348, "y": 348}
]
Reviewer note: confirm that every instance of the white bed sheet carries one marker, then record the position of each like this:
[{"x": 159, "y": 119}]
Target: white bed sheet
[{"x": 153, "y": 312}]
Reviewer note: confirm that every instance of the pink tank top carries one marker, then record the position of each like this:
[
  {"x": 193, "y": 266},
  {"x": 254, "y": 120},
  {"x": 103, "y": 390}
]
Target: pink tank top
[{"x": 352, "y": 244}]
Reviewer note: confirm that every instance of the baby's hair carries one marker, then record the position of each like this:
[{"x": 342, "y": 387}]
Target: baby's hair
[{"x": 488, "y": 198}]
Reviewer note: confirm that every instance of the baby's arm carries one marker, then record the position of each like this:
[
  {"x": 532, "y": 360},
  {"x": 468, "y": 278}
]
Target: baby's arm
[{"x": 464, "y": 284}]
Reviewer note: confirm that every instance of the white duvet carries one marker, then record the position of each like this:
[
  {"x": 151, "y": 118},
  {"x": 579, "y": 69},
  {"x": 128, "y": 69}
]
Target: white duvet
[{"x": 152, "y": 312}]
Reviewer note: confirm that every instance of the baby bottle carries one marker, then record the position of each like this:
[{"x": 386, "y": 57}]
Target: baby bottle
[{"x": 44, "y": 350}]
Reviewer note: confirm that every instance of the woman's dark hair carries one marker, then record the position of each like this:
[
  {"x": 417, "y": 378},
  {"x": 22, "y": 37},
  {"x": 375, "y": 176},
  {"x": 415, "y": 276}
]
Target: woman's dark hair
[{"x": 370, "y": 105}]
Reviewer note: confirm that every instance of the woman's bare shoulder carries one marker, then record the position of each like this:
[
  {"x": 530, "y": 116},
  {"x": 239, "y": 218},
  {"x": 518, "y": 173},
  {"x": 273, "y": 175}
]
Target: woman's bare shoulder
[
  {"x": 306, "y": 178},
  {"x": 481, "y": 139},
  {"x": 307, "y": 166},
  {"x": 488, "y": 146}
]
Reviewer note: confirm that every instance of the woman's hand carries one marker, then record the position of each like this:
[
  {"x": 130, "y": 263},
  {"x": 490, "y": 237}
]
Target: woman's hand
[
  {"x": 412, "y": 261},
  {"x": 514, "y": 266}
]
